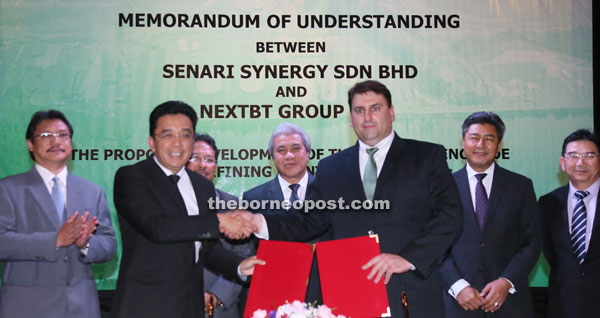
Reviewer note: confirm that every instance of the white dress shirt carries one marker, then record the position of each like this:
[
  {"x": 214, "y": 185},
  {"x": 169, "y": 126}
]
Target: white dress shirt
[
  {"x": 47, "y": 178},
  {"x": 287, "y": 192},
  {"x": 189, "y": 196}
]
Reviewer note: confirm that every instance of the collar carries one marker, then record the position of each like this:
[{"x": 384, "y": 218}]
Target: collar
[
  {"x": 383, "y": 144},
  {"x": 47, "y": 175}
]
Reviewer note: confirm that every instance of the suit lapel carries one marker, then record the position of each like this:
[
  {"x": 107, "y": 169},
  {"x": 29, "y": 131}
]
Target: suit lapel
[
  {"x": 40, "y": 193},
  {"x": 352, "y": 168},
  {"x": 495, "y": 197},
  {"x": 462, "y": 182},
  {"x": 165, "y": 186},
  {"x": 395, "y": 158},
  {"x": 74, "y": 192}
]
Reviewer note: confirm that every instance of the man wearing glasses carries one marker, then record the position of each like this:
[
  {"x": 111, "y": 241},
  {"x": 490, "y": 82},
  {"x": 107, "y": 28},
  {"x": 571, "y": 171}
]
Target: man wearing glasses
[
  {"x": 168, "y": 230},
  {"x": 570, "y": 225},
  {"x": 53, "y": 226},
  {"x": 221, "y": 293}
]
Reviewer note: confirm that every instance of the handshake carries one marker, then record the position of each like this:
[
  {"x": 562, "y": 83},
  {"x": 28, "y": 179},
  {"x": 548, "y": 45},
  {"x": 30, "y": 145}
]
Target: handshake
[{"x": 239, "y": 224}]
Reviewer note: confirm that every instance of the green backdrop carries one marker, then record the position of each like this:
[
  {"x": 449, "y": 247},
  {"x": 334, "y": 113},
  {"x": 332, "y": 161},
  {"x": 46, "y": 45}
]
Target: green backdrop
[{"x": 106, "y": 64}]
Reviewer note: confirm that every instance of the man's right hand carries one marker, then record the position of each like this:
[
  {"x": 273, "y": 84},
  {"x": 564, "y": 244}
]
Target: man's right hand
[
  {"x": 71, "y": 230},
  {"x": 235, "y": 225},
  {"x": 469, "y": 298}
]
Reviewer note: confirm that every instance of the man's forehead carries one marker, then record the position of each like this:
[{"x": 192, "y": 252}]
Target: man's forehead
[
  {"x": 581, "y": 145},
  {"x": 48, "y": 124},
  {"x": 288, "y": 139}
]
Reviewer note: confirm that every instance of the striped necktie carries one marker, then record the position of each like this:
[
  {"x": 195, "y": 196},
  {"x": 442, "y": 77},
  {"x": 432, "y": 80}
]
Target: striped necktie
[{"x": 578, "y": 226}]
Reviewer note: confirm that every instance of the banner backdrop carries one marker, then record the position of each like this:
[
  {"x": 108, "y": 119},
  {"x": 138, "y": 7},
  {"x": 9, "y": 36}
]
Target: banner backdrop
[{"x": 246, "y": 66}]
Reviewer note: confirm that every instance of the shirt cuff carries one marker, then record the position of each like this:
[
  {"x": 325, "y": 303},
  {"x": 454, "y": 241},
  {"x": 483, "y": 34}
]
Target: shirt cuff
[
  {"x": 457, "y": 287},
  {"x": 512, "y": 289},
  {"x": 264, "y": 231},
  {"x": 243, "y": 277}
]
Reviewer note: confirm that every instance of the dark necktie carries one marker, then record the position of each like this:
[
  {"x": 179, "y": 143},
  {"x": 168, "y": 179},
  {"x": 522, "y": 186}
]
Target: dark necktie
[
  {"x": 59, "y": 199},
  {"x": 481, "y": 199},
  {"x": 370, "y": 175},
  {"x": 578, "y": 226},
  {"x": 294, "y": 196},
  {"x": 174, "y": 178}
]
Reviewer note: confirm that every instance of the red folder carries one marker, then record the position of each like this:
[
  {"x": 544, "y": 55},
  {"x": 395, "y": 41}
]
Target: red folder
[
  {"x": 343, "y": 281},
  {"x": 283, "y": 278}
]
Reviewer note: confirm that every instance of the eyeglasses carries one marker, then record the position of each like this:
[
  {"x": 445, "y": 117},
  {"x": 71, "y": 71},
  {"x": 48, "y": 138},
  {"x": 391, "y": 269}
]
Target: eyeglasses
[
  {"x": 62, "y": 136},
  {"x": 206, "y": 160},
  {"x": 574, "y": 156},
  {"x": 170, "y": 136}
]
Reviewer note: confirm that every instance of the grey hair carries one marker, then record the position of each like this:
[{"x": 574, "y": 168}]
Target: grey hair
[{"x": 286, "y": 128}]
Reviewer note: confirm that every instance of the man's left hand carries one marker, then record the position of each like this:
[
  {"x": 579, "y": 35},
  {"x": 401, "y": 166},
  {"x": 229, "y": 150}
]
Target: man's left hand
[
  {"x": 386, "y": 265},
  {"x": 494, "y": 294},
  {"x": 247, "y": 265}
]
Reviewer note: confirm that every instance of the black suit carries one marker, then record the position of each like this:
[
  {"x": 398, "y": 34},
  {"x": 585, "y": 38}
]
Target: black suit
[
  {"x": 424, "y": 218},
  {"x": 158, "y": 275},
  {"x": 508, "y": 246},
  {"x": 573, "y": 288}
]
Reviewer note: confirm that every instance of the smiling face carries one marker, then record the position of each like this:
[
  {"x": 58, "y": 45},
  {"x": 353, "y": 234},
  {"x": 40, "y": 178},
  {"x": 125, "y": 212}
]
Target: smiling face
[
  {"x": 371, "y": 117},
  {"x": 583, "y": 172},
  {"x": 481, "y": 144},
  {"x": 203, "y": 160},
  {"x": 172, "y": 141},
  {"x": 290, "y": 157},
  {"x": 51, "y": 152}
]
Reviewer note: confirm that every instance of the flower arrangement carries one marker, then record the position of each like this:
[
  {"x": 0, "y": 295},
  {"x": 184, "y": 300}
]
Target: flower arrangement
[{"x": 297, "y": 309}]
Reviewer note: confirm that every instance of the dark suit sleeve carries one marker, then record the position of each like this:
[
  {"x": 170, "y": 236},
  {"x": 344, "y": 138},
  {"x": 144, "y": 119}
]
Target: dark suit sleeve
[
  {"x": 137, "y": 201},
  {"x": 547, "y": 204},
  {"x": 529, "y": 233},
  {"x": 426, "y": 250},
  {"x": 449, "y": 272}
]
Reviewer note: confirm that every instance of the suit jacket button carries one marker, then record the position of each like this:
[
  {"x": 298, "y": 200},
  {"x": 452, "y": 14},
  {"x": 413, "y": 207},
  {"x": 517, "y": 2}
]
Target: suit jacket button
[
  {"x": 482, "y": 244},
  {"x": 66, "y": 259},
  {"x": 582, "y": 273}
]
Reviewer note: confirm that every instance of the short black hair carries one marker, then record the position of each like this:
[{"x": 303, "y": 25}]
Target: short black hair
[
  {"x": 484, "y": 118},
  {"x": 210, "y": 141},
  {"x": 40, "y": 116},
  {"x": 369, "y": 86},
  {"x": 581, "y": 134},
  {"x": 172, "y": 108}
]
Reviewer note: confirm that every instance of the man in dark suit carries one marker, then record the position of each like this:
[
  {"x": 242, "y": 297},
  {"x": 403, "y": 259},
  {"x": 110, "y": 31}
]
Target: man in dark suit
[
  {"x": 223, "y": 294},
  {"x": 289, "y": 146},
  {"x": 168, "y": 230},
  {"x": 53, "y": 226},
  {"x": 424, "y": 216},
  {"x": 571, "y": 230},
  {"x": 488, "y": 265}
]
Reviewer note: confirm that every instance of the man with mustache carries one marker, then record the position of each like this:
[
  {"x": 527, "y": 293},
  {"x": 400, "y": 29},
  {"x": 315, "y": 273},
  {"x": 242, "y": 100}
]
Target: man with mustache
[
  {"x": 219, "y": 292},
  {"x": 488, "y": 265},
  {"x": 53, "y": 226},
  {"x": 571, "y": 225}
]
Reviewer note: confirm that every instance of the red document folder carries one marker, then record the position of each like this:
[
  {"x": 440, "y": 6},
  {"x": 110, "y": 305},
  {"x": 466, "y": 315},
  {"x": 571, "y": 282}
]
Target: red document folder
[
  {"x": 283, "y": 278},
  {"x": 343, "y": 281}
]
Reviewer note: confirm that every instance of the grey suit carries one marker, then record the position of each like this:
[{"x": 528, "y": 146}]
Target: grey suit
[
  {"x": 38, "y": 279},
  {"x": 226, "y": 290}
]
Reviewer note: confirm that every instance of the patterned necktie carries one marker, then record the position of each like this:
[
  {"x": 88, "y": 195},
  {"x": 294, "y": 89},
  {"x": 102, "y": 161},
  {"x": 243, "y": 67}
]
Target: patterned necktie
[
  {"x": 481, "y": 199},
  {"x": 578, "y": 226},
  {"x": 370, "y": 175},
  {"x": 174, "y": 178},
  {"x": 59, "y": 199},
  {"x": 294, "y": 196}
]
